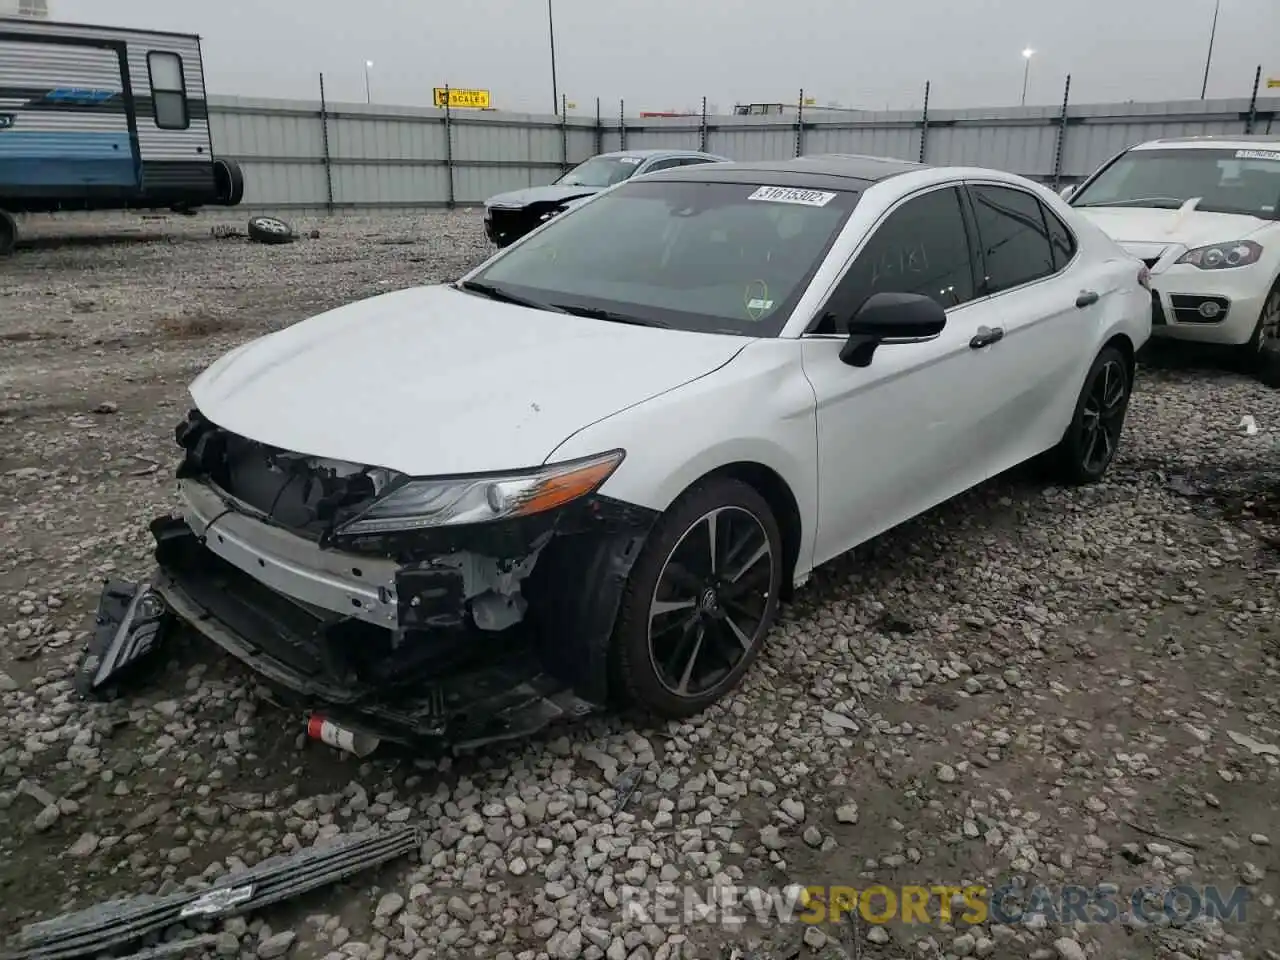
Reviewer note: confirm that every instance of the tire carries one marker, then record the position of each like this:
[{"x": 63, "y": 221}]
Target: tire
[
  {"x": 1254, "y": 355},
  {"x": 1268, "y": 371},
  {"x": 229, "y": 179},
  {"x": 270, "y": 230},
  {"x": 1102, "y": 406},
  {"x": 716, "y": 612},
  {"x": 8, "y": 234}
]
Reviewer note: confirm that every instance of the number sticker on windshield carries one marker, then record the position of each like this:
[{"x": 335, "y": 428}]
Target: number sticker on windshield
[
  {"x": 629, "y": 160},
  {"x": 1257, "y": 155},
  {"x": 806, "y": 198}
]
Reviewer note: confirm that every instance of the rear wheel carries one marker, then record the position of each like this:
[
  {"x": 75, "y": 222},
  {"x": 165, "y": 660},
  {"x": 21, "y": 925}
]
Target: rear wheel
[
  {"x": 229, "y": 181},
  {"x": 8, "y": 234},
  {"x": 701, "y": 598},
  {"x": 1091, "y": 441}
]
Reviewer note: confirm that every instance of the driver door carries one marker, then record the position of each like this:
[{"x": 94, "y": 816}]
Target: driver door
[{"x": 895, "y": 437}]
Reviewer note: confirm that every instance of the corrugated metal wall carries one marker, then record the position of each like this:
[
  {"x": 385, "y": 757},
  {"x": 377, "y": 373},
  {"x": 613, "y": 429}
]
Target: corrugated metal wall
[{"x": 408, "y": 157}]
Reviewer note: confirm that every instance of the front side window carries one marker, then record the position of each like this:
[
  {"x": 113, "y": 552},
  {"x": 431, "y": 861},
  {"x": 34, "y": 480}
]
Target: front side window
[
  {"x": 601, "y": 172},
  {"x": 1013, "y": 237},
  {"x": 168, "y": 91},
  {"x": 715, "y": 257},
  {"x": 1222, "y": 181},
  {"x": 921, "y": 247}
]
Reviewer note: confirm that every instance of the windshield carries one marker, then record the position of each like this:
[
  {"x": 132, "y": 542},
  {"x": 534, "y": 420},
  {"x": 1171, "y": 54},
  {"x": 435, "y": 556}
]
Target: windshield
[
  {"x": 1225, "y": 181},
  {"x": 600, "y": 172},
  {"x": 713, "y": 257}
]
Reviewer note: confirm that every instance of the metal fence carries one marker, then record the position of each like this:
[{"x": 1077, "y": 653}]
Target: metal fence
[{"x": 316, "y": 156}]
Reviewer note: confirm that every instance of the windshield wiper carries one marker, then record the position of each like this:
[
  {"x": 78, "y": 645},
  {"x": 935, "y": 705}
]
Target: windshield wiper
[
  {"x": 596, "y": 313},
  {"x": 1158, "y": 202},
  {"x": 497, "y": 293}
]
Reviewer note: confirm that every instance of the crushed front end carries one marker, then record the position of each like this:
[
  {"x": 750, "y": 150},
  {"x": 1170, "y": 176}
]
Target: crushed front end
[{"x": 466, "y": 632}]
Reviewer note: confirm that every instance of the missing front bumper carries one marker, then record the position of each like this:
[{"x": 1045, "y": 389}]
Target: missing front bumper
[{"x": 462, "y": 690}]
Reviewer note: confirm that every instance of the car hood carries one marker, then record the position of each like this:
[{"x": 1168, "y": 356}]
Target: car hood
[
  {"x": 433, "y": 381},
  {"x": 553, "y": 193},
  {"x": 1141, "y": 229}
]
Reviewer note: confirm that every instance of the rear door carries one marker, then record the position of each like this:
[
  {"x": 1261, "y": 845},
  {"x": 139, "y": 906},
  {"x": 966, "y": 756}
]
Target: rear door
[
  {"x": 1046, "y": 298},
  {"x": 66, "y": 120}
]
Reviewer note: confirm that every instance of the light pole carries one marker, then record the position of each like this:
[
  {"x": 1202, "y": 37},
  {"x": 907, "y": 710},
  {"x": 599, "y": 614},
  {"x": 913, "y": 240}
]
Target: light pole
[
  {"x": 368, "y": 65},
  {"x": 1213, "y": 31},
  {"x": 551, "y": 36},
  {"x": 1026, "y": 72}
]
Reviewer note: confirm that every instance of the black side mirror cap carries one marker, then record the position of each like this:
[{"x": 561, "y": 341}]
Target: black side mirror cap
[{"x": 889, "y": 317}]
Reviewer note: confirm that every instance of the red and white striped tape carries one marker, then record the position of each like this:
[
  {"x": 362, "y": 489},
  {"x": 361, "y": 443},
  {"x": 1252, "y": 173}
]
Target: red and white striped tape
[{"x": 325, "y": 730}]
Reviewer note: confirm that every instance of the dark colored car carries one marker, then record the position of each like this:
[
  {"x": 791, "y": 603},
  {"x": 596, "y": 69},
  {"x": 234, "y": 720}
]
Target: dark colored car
[{"x": 509, "y": 216}]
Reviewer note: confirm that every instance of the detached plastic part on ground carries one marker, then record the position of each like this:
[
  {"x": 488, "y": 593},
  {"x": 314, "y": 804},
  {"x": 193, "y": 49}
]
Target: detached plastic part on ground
[{"x": 117, "y": 923}]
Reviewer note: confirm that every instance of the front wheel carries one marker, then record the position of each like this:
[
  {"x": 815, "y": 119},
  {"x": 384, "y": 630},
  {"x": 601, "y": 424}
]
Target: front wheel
[
  {"x": 1256, "y": 354},
  {"x": 701, "y": 598},
  {"x": 1091, "y": 441}
]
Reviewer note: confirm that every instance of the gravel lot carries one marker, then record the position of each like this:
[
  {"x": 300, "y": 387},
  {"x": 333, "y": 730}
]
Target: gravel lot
[{"x": 1068, "y": 686}]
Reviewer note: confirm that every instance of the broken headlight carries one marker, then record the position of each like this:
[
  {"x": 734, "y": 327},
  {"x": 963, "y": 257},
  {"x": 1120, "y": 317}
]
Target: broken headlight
[{"x": 453, "y": 501}]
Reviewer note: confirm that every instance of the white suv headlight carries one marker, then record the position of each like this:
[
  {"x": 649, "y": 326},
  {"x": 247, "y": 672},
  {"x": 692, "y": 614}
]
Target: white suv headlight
[
  {"x": 1223, "y": 256},
  {"x": 452, "y": 501}
]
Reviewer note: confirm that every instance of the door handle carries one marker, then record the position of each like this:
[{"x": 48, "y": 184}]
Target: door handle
[
  {"x": 1087, "y": 298},
  {"x": 985, "y": 337}
]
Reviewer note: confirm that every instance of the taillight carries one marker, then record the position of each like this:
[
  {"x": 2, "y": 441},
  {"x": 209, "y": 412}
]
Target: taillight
[{"x": 1144, "y": 277}]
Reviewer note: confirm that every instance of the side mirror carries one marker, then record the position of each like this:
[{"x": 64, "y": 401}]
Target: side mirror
[
  {"x": 891, "y": 318},
  {"x": 1066, "y": 192}
]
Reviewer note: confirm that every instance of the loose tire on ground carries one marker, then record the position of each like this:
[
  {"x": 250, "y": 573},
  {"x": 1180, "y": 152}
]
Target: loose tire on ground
[
  {"x": 1098, "y": 420},
  {"x": 229, "y": 180},
  {"x": 270, "y": 230},
  {"x": 668, "y": 590},
  {"x": 8, "y": 234}
]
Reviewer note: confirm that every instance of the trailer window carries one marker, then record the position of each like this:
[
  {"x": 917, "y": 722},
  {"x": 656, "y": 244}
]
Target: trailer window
[{"x": 168, "y": 91}]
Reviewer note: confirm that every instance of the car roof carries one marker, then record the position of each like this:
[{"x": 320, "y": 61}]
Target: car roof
[
  {"x": 830, "y": 171},
  {"x": 655, "y": 152},
  {"x": 1219, "y": 141}
]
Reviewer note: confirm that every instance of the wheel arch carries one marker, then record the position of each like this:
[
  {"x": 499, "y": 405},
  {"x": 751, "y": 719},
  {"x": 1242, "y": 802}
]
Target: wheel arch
[
  {"x": 1121, "y": 342},
  {"x": 782, "y": 501}
]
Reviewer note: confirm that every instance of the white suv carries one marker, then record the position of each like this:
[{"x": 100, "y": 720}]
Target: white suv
[{"x": 1204, "y": 214}]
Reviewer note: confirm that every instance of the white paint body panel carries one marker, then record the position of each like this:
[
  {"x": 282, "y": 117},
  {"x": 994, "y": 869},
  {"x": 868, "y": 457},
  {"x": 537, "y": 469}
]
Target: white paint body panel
[
  {"x": 434, "y": 382},
  {"x": 1169, "y": 234}
]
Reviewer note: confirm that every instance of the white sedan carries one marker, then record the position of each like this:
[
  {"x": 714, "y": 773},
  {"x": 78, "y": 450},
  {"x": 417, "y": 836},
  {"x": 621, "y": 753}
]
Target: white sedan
[
  {"x": 625, "y": 438},
  {"x": 1204, "y": 214}
]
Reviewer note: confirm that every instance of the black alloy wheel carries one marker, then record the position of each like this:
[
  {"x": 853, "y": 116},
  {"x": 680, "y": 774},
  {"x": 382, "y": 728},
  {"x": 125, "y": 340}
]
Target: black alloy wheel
[
  {"x": 700, "y": 600},
  {"x": 1092, "y": 439}
]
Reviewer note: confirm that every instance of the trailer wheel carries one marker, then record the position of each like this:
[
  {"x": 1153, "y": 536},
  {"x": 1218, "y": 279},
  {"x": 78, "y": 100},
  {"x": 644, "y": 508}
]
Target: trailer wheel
[
  {"x": 270, "y": 230},
  {"x": 8, "y": 234},
  {"x": 229, "y": 180}
]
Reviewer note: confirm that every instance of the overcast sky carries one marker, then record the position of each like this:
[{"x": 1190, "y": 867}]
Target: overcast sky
[{"x": 667, "y": 54}]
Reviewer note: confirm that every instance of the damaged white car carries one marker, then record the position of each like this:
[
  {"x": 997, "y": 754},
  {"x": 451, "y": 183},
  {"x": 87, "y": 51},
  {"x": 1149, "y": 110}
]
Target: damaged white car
[{"x": 593, "y": 467}]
